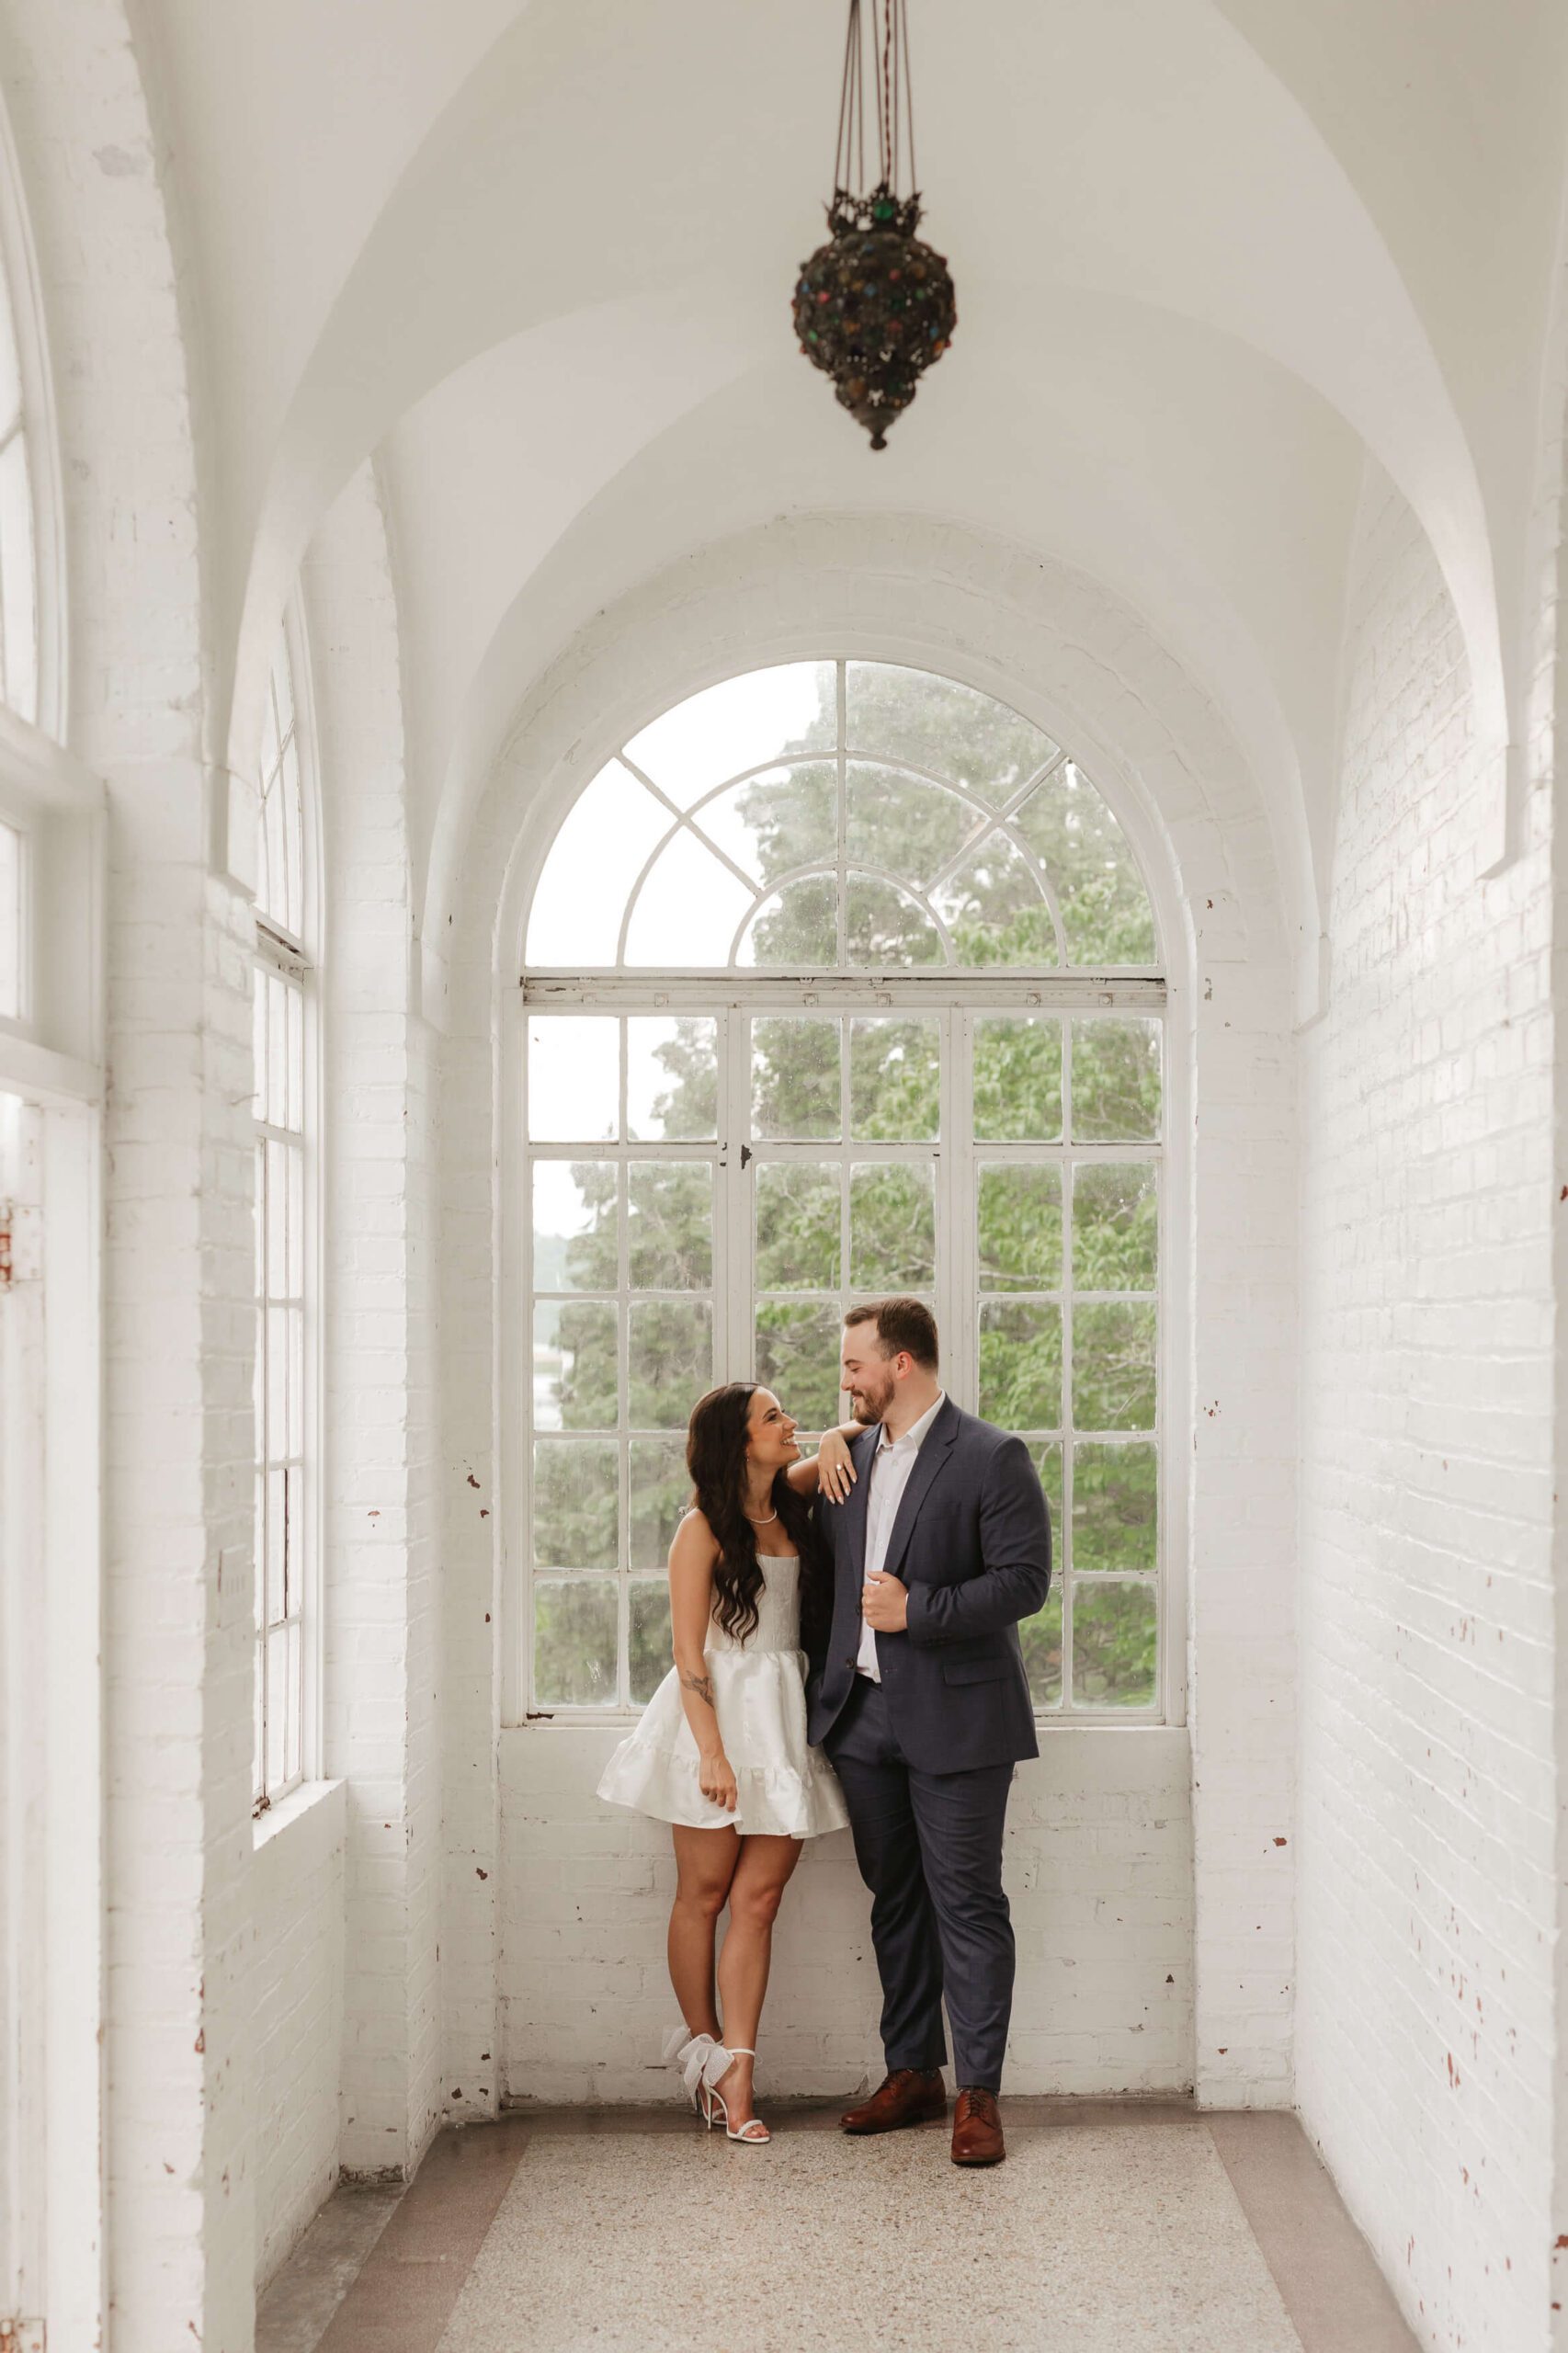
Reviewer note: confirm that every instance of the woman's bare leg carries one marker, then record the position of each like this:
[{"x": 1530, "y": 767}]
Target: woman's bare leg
[
  {"x": 756, "y": 1892},
  {"x": 705, "y": 1866}
]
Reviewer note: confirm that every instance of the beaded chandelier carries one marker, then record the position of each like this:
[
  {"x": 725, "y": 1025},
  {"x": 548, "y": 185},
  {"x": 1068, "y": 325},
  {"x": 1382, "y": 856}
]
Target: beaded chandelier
[{"x": 874, "y": 307}]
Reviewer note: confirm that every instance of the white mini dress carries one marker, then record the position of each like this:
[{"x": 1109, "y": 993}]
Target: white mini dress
[{"x": 785, "y": 1788}]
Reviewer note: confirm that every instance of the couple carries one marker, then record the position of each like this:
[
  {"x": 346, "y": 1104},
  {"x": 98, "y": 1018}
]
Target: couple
[{"x": 906, "y": 1553}]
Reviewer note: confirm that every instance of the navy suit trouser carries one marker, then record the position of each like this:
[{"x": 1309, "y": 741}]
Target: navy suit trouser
[{"x": 930, "y": 1848}]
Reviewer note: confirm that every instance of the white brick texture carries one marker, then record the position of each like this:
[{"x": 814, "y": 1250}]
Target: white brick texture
[
  {"x": 297, "y": 1906},
  {"x": 1425, "y": 2024}
]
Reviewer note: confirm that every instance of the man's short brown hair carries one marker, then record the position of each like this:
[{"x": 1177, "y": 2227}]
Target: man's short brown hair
[{"x": 905, "y": 1325}]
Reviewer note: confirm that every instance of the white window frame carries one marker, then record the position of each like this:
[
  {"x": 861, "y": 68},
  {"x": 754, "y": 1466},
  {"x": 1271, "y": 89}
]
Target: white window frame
[
  {"x": 295, "y": 959},
  {"x": 943, "y": 993}
]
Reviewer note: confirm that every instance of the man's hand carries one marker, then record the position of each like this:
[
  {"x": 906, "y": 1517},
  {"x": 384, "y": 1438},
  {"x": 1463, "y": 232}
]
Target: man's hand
[
  {"x": 884, "y": 1604},
  {"x": 835, "y": 1468}
]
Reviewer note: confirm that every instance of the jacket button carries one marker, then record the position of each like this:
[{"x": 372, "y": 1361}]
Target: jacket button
[{"x": 852, "y": 1659}]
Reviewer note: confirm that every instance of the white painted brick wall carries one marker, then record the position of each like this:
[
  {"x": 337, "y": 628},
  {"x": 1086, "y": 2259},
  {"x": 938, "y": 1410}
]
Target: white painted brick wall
[
  {"x": 1099, "y": 1879},
  {"x": 179, "y": 1248},
  {"x": 1424, "y": 2027},
  {"x": 907, "y": 589},
  {"x": 296, "y": 1895},
  {"x": 381, "y": 1648}
]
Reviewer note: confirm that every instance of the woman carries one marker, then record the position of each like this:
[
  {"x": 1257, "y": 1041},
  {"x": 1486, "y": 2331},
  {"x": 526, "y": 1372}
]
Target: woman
[{"x": 721, "y": 1752}]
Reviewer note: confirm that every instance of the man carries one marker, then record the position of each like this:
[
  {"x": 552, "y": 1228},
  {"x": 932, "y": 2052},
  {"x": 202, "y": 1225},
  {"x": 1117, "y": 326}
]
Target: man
[{"x": 921, "y": 1701}]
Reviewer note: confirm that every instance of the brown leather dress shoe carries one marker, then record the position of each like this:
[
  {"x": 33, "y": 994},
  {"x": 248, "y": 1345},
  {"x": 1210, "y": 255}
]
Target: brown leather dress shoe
[
  {"x": 977, "y": 2130},
  {"x": 907, "y": 2095}
]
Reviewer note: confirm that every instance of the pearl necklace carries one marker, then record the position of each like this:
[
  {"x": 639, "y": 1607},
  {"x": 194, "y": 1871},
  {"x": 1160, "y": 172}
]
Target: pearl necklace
[{"x": 762, "y": 1523}]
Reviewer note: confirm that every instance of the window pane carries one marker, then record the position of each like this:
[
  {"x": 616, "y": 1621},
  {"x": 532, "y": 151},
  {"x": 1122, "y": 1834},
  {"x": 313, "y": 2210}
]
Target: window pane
[
  {"x": 574, "y": 1377},
  {"x": 576, "y": 1225},
  {"x": 649, "y": 1630},
  {"x": 575, "y": 1642},
  {"x": 1105, "y": 908},
  {"x": 279, "y": 1108},
  {"x": 1113, "y": 1644},
  {"x": 670, "y": 1221},
  {"x": 573, "y": 1078},
  {"x": 276, "y": 1543},
  {"x": 1046, "y": 1456},
  {"x": 1115, "y": 1227},
  {"x": 291, "y": 1744},
  {"x": 886, "y": 929},
  {"x": 794, "y": 1078},
  {"x": 672, "y": 1080},
  {"x": 576, "y": 1503},
  {"x": 1018, "y": 1079},
  {"x": 905, "y": 827},
  {"x": 274, "y": 1212},
  {"x": 670, "y": 1360},
  {"x": 259, "y": 1044},
  {"x": 993, "y": 906},
  {"x": 279, "y": 1365},
  {"x": 895, "y": 1080},
  {"x": 661, "y": 1491},
  {"x": 743, "y": 723},
  {"x": 1020, "y": 1227},
  {"x": 1113, "y": 1368},
  {"x": 797, "y": 928},
  {"x": 606, "y": 837},
  {"x": 277, "y": 1704},
  {"x": 689, "y": 910},
  {"x": 778, "y": 821},
  {"x": 1116, "y": 1081},
  {"x": 948, "y": 729},
  {"x": 1040, "y": 1637},
  {"x": 1020, "y": 1364},
  {"x": 1115, "y": 1507},
  {"x": 796, "y": 1357},
  {"x": 798, "y": 1211},
  {"x": 18, "y": 580},
  {"x": 10, "y": 923},
  {"x": 893, "y": 1228}
]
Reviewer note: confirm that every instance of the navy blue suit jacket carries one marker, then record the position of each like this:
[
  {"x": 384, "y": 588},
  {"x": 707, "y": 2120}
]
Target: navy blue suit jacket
[{"x": 971, "y": 1541}]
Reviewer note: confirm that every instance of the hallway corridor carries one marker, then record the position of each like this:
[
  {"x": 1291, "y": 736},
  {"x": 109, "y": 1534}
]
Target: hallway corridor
[{"x": 1113, "y": 2224}]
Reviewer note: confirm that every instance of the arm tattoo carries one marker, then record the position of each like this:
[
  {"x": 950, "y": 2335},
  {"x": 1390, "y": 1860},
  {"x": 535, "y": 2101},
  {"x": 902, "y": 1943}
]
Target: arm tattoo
[{"x": 703, "y": 1686}]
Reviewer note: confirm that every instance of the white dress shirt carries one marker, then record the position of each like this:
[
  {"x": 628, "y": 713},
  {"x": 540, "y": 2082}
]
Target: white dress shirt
[{"x": 892, "y": 1460}]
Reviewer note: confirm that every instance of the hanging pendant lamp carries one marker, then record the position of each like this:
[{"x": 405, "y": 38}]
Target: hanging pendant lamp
[{"x": 874, "y": 307}]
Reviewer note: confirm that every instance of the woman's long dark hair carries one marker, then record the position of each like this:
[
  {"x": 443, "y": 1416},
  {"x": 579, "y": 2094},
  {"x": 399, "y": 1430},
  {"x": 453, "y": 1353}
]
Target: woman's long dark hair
[{"x": 716, "y": 1458}]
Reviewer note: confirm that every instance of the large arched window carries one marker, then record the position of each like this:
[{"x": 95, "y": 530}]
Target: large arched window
[
  {"x": 841, "y": 978},
  {"x": 285, "y": 1126}
]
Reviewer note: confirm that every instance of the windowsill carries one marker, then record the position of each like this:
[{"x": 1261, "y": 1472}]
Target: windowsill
[{"x": 298, "y": 1806}]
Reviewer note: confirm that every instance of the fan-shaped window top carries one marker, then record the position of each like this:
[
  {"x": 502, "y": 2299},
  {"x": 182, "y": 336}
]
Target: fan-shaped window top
[
  {"x": 834, "y": 817},
  {"x": 280, "y": 864}
]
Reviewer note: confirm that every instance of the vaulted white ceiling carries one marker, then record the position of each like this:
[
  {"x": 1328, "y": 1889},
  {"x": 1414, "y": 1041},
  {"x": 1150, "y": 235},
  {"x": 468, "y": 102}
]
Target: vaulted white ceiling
[{"x": 538, "y": 257}]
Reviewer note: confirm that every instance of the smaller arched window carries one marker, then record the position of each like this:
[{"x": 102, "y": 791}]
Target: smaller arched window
[
  {"x": 849, "y": 817},
  {"x": 285, "y": 1123}
]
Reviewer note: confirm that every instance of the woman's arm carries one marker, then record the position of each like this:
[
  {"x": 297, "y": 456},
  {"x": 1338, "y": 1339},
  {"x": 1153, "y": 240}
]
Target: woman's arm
[
  {"x": 831, "y": 1466},
  {"x": 692, "y": 1556}
]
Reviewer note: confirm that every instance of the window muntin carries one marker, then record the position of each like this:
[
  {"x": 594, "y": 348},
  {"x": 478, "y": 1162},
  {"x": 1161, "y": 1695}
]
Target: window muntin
[
  {"x": 284, "y": 1128},
  {"x": 951, "y": 1108}
]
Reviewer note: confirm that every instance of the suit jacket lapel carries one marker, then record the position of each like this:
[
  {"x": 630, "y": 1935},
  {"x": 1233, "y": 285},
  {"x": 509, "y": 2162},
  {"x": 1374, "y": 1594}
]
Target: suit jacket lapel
[
  {"x": 857, "y": 1502},
  {"x": 931, "y": 1458}
]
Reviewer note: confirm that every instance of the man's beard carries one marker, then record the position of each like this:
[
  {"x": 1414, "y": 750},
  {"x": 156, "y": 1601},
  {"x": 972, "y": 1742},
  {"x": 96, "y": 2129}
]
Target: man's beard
[{"x": 868, "y": 1411}]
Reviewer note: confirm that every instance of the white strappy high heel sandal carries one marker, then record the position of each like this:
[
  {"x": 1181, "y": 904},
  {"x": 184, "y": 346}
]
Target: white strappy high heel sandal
[
  {"x": 754, "y": 2133},
  {"x": 689, "y": 2052}
]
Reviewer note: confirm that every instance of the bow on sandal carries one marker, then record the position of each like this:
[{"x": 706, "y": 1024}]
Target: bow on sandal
[{"x": 689, "y": 2051}]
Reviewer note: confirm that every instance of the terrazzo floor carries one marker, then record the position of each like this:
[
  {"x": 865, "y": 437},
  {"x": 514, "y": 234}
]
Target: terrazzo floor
[{"x": 1111, "y": 2226}]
